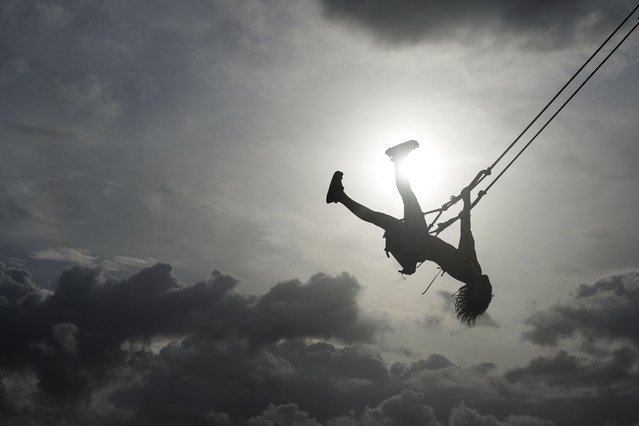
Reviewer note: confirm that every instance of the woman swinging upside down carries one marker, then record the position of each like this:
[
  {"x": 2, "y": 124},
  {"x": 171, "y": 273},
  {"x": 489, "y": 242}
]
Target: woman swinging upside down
[{"x": 410, "y": 243}]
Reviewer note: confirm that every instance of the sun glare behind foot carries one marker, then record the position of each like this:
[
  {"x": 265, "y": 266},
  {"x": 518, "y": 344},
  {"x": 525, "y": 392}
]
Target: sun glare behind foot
[{"x": 422, "y": 168}]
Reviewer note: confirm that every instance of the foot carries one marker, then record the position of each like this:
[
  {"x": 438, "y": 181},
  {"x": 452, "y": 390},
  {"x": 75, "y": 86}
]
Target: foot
[
  {"x": 400, "y": 151},
  {"x": 335, "y": 189}
]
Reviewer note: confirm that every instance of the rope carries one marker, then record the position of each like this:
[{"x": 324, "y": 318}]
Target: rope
[
  {"x": 438, "y": 274},
  {"x": 564, "y": 87},
  {"x": 484, "y": 173},
  {"x": 561, "y": 107}
]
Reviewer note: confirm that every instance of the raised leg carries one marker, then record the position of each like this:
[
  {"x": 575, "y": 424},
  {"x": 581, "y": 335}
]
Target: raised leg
[
  {"x": 412, "y": 210},
  {"x": 336, "y": 194},
  {"x": 382, "y": 220}
]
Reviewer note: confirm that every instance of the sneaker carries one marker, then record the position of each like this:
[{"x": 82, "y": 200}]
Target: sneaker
[
  {"x": 402, "y": 150},
  {"x": 335, "y": 188}
]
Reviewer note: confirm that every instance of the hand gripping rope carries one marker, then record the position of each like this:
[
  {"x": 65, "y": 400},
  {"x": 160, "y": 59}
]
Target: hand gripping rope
[{"x": 488, "y": 171}]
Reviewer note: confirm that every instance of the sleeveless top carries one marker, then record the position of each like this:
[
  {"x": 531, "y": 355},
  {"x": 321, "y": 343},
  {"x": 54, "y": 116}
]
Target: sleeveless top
[{"x": 410, "y": 245}]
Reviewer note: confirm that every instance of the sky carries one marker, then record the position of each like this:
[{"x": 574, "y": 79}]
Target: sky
[{"x": 167, "y": 255}]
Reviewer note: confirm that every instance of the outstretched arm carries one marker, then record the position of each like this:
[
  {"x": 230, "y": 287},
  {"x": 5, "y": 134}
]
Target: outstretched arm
[
  {"x": 465, "y": 213},
  {"x": 466, "y": 241}
]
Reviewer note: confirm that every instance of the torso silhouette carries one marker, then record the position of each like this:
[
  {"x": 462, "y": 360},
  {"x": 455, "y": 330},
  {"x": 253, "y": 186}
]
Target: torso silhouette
[{"x": 410, "y": 245}]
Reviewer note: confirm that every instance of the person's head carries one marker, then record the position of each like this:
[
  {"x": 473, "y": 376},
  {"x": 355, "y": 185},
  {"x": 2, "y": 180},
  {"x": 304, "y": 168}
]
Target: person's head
[{"x": 472, "y": 299}]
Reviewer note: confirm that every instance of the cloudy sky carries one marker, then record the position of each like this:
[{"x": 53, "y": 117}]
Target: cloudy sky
[{"x": 167, "y": 256}]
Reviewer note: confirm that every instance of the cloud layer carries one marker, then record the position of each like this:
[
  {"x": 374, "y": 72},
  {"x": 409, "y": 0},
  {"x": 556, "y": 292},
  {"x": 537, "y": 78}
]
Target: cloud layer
[
  {"x": 149, "y": 349},
  {"x": 599, "y": 321},
  {"x": 540, "y": 25},
  {"x": 606, "y": 309}
]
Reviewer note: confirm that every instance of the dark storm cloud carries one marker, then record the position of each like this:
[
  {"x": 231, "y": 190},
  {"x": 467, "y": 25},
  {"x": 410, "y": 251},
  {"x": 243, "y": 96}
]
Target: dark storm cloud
[
  {"x": 407, "y": 408},
  {"x": 600, "y": 319},
  {"x": 73, "y": 335},
  {"x": 463, "y": 415},
  {"x": 569, "y": 371},
  {"x": 536, "y": 24},
  {"x": 320, "y": 378},
  {"x": 331, "y": 385},
  {"x": 607, "y": 309},
  {"x": 434, "y": 362},
  {"x": 15, "y": 284},
  {"x": 149, "y": 350},
  {"x": 323, "y": 307},
  {"x": 283, "y": 415},
  {"x": 602, "y": 390}
]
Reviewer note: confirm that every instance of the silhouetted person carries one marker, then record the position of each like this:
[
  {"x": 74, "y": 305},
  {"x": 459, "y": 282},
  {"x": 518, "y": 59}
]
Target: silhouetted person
[{"x": 410, "y": 243}]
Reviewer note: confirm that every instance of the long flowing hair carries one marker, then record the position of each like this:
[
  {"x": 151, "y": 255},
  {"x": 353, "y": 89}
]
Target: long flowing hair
[{"x": 472, "y": 300}]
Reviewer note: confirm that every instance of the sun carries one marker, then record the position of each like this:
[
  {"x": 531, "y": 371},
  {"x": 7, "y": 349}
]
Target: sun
[{"x": 422, "y": 167}]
